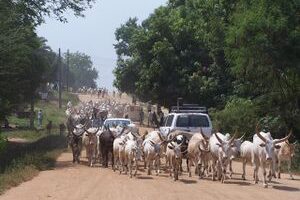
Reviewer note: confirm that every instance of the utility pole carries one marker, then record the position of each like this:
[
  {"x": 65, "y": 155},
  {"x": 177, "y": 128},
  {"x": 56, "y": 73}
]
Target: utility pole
[
  {"x": 67, "y": 71},
  {"x": 59, "y": 79}
]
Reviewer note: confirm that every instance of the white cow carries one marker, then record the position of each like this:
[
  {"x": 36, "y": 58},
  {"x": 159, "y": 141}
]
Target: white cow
[
  {"x": 263, "y": 153},
  {"x": 198, "y": 151},
  {"x": 246, "y": 155},
  {"x": 285, "y": 153},
  {"x": 221, "y": 150},
  {"x": 133, "y": 152},
  {"x": 174, "y": 156},
  {"x": 89, "y": 140}
]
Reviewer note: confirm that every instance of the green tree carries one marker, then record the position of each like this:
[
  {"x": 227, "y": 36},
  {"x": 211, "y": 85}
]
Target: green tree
[
  {"x": 82, "y": 72},
  {"x": 262, "y": 44}
]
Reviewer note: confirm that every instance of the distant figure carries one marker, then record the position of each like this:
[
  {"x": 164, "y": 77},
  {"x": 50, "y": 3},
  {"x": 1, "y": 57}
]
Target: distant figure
[
  {"x": 69, "y": 105},
  {"x": 141, "y": 116},
  {"x": 150, "y": 119},
  {"x": 62, "y": 128},
  {"x": 114, "y": 94},
  {"x": 6, "y": 124},
  {"x": 99, "y": 93},
  {"x": 40, "y": 118},
  {"x": 49, "y": 127},
  {"x": 154, "y": 120},
  {"x": 161, "y": 117}
]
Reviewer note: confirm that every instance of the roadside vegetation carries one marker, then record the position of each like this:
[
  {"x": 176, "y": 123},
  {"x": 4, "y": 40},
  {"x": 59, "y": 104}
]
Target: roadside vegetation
[
  {"x": 22, "y": 161},
  {"x": 24, "y": 151},
  {"x": 239, "y": 58}
]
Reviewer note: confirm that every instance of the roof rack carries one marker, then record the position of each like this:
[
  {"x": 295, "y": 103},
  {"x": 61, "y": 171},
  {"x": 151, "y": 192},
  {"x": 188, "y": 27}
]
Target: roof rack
[{"x": 189, "y": 108}]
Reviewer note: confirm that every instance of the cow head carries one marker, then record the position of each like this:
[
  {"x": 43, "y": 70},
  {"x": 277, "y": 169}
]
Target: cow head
[
  {"x": 269, "y": 144},
  {"x": 92, "y": 135},
  {"x": 225, "y": 147},
  {"x": 290, "y": 148},
  {"x": 176, "y": 148}
]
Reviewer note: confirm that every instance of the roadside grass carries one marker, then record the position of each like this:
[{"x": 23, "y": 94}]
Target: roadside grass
[
  {"x": 22, "y": 161},
  {"x": 50, "y": 111}
]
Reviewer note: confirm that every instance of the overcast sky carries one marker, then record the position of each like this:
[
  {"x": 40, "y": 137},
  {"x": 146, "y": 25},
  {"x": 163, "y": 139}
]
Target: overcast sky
[{"x": 94, "y": 34}]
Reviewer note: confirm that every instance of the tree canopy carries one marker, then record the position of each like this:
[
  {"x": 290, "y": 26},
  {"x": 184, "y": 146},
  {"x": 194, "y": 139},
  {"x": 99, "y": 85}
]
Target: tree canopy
[
  {"x": 230, "y": 54},
  {"x": 25, "y": 60}
]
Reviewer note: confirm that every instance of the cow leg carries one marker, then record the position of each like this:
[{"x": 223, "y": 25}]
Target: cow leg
[
  {"x": 170, "y": 167},
  {"x": 136, "y": 166},
  {"x": 148, "y": 163},
  {"x": 263, "y": 167},
  {"x": 279, "y": 168},
  {"x": 230, "y": 169},
  {"x": 244, "y": 169},
  {"x": 157, "y": 166},
  {"x": 289, "y": 168},
  {"x": 213, "y": 170},
  {"x": 116, "y": 162},
  {"x": 112, "y": 160},
  {"x": 189, "y": 164},
  {"x": 199, "y": 169},
  {"x": 73, "y": 153},
  {"x": 176, "y": 169}
]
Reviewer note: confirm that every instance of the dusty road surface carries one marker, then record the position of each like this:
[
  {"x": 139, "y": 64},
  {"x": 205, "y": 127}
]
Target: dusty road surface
[{"x": 80, "y": 182}]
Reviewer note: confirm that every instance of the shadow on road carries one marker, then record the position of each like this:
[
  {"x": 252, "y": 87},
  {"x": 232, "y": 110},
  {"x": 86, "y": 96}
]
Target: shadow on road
[
  {"x": 186, "y": 181},
  {"x": 238, "y": 183},
  {"x": 144, "y": 177},
  {"x": 286, "y": 188}
]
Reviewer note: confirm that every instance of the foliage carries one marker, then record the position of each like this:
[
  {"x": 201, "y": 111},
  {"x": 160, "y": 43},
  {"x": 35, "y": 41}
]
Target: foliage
[
  {"x": 239, "y": 115},
  {"x": 3, "y": 143},
  {"x": 21, "y": 162},
  {"x": 262, "y": 43},
  {"x": 224, "y": 54},
  {"x": 25, "y": 61},
  {"x": 166, "y": 57},
  {"x": 81, "y": 70},
  {"x": 50, "y": 112}
]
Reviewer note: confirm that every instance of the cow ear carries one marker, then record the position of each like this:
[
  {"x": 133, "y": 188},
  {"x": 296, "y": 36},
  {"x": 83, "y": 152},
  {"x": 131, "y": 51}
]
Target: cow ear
[
  {"x": 262, "y": 145},
  {"x": 277, "y": 146}
]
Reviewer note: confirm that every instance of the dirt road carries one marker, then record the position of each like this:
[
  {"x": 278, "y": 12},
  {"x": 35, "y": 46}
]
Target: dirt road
[{"x": 78, "y": 182}]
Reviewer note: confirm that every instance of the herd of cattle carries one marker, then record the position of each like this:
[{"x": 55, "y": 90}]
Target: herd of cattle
[{"x": 212, "y": 155}]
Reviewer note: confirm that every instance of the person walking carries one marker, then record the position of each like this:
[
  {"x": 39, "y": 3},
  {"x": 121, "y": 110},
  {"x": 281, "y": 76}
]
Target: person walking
[
  {"x": 141, "y": 116},
  {"x": 40, "y": 118}
]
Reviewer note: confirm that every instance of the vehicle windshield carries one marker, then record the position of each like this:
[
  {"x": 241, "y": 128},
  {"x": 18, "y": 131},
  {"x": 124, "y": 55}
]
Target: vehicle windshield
[
  {"x": 192, "y": 121},
  {"x": 115, "y": 123}
]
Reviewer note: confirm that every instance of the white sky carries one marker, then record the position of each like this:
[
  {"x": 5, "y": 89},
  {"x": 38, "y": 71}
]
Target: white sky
[{"x": 94, "y": 34}]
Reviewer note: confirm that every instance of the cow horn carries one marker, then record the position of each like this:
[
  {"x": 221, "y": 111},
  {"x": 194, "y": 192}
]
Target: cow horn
[
  {"x": 232, "y": 138},
  {"x": 91, "y": 132},
  {"x": 134, "y": 135},
  {"x": 203, "y": 150},
  {"x": 219, "y": 139},
  {"x": 242, "y": 136},
  {"x": 285, "y": 138},
  {"x": 261, "y": 137},
  {"x": 204, "y": 136},
  {"x": 257, "y": 128},
  {"x": 160, "y": 136}
]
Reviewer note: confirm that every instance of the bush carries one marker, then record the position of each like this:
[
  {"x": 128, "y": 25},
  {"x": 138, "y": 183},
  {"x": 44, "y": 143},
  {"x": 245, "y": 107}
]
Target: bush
[
  {"x": 238, "y": 115},
  {"x": 3, "y": 143}
]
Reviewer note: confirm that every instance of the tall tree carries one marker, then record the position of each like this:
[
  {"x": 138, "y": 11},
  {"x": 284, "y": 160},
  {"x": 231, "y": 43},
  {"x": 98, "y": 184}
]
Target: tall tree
[
  {"x": 263, "y": 44},
  {"x": 82, "y": 71}
]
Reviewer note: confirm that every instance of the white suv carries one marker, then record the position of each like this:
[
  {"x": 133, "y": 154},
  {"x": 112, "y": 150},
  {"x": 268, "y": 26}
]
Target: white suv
[{"x": 191, "y": 122}]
